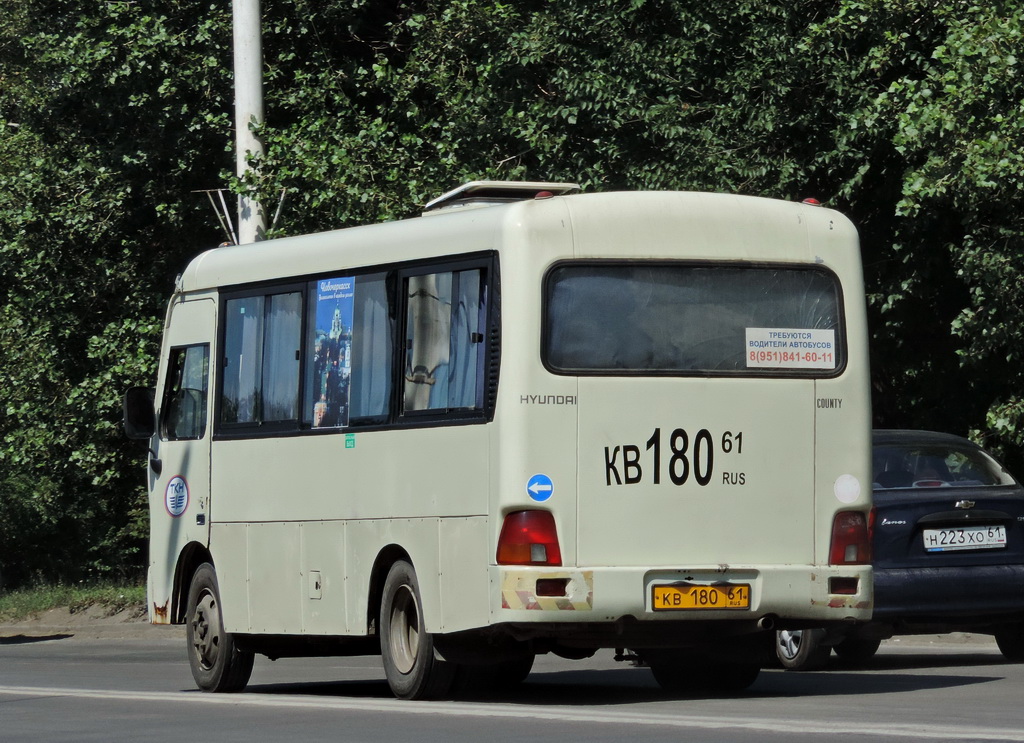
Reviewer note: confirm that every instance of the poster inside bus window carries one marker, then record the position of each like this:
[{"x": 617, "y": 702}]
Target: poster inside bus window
[
  {"x": 791, "y": 348},
  {"x": 332, "y": 352}
]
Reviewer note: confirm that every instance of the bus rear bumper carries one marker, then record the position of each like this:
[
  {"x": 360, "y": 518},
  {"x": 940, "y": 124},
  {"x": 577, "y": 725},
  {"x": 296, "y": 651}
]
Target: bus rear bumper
[{"x": 757, "y": 595}]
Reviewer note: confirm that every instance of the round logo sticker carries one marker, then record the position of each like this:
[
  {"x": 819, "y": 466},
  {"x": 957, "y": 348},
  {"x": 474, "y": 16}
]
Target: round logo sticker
[{"x": 176, "y": 496}]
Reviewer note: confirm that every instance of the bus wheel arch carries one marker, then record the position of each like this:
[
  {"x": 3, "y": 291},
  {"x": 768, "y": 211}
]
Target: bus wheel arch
[
  {"x": 191, "y": 557},
  {"x": 387, "y": 557}
]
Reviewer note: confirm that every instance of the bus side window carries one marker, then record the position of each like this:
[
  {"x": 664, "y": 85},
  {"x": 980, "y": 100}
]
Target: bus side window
[
  {"x": 349, "y": 347},
  {"x": 467, "y": 355},
  {"x": 185, "y": 395},
  {"x": 243, "y": 359},
  {"x": 372, "y": 344},
  {"x": 261, "y": 359},
  {"x": 444, "y": 341},
  {"x": 281, "y": 344}
]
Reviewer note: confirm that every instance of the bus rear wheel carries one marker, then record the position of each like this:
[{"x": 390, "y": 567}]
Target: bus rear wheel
[
  {"x": 407, "y": 650},
  {"x": 474, "y": 680},
  {"x": 217, "y": 664},
  {"x": 857, "y": 649},
  {"x": 511, "y": 673},
  {"x": 681, "y": 674}
]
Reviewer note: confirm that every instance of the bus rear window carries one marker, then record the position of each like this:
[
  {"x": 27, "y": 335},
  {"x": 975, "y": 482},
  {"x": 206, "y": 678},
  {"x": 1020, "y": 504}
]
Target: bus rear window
[{"x": 692, "y": 319}]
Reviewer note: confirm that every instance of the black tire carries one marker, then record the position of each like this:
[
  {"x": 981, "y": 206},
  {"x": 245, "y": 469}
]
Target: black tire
[
  {"x": 1010, "y": 641},
  {"x": 412, "y": 669},
  {"x": 681, "y": 675},
  {"x": 477, "y": 680},
  {"x": 217, "y": 664},
  {"x": 801, "y": 649},
  {"x": 673, "y": 679},
  {"x": 734, "y": 677},
  {"x": 856, "y": 649},
  {"x": 508, "y": 673}
]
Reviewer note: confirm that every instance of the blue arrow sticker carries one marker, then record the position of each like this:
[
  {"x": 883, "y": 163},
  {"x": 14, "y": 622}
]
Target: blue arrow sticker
[{"x": 540, "y": 488}]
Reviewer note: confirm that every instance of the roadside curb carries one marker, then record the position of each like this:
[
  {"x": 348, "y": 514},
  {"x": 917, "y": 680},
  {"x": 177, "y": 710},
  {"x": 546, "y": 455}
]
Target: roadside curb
[
  {"x": 92, "y": 622},
  {"x": 951, "y": 639},
  {"x": 12, "y": 633}
]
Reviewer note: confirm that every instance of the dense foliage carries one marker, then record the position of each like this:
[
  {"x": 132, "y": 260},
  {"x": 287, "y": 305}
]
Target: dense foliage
[{"x": 907, "y": 116}]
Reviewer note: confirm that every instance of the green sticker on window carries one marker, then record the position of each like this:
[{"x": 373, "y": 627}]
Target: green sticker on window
[{"x": 350, "y": 441}]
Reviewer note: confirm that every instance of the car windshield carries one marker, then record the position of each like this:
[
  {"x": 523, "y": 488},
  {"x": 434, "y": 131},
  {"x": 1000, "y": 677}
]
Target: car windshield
[{"x": 911, "y": 465}]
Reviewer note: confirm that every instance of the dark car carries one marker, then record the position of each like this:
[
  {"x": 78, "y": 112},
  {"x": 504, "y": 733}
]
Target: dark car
[{"x": 947, "y": 551}]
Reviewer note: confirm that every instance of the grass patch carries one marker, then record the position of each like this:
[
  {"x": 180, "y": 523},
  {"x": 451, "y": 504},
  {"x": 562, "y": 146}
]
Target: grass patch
[{"x": 23, "y": 603}]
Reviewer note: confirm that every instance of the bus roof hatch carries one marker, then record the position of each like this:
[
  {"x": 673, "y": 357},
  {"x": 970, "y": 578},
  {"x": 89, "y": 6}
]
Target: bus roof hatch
[{"x": 489, "y": 193}]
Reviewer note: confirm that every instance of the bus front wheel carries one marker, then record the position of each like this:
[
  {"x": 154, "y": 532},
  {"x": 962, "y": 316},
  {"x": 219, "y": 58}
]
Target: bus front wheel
[
  {"x": 412, "y": 669},
  {"x": 217, "y": 664}
]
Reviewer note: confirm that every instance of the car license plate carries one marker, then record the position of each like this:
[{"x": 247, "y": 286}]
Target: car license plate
[
  {"x": 687, "y": 596},
  {"x": 965, "y": 538}
]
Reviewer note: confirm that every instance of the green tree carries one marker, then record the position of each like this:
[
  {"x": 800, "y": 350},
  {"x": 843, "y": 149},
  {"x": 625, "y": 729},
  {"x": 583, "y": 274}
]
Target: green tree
[
  {"x": 109, "y": 117},
  {"x": 931, "y": 100},
  {"x": 907, "y": 116}
]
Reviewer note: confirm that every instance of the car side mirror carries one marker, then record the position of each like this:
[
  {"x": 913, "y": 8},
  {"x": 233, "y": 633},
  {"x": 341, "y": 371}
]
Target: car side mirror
[{"x": 139, "y": 413}]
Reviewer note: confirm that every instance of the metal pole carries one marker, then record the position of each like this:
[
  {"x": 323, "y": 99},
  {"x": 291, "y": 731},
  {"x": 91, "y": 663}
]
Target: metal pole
[{"x": 252, "y": 222}]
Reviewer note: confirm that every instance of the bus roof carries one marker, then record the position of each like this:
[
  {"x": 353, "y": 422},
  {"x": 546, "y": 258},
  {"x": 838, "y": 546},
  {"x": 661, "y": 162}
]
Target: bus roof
[{"x": 630, "y": 218}]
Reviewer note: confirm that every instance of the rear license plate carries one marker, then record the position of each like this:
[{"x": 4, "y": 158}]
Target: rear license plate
[
  {"x": 683, "y": 597},
  {"x": 965, "y": 538}
]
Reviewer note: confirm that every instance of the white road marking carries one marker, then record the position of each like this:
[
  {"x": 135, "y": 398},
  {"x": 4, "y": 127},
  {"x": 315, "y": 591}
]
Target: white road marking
[{"x": 555, "y": 714}]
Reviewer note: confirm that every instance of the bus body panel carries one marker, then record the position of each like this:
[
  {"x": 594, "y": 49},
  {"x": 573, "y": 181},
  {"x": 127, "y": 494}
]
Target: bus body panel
[
  {"x": 692, "y": 226},
  {"x": 319, "y": 573},
  {"x": 842, "y": 405},
  {"x": 350, "y": 491},
  {"x": 274, "y": 551},
  {"x": 322, "y": 569},
  {"x": 229, "y": 549},
  {"x": 742, "y": 496},
  {"x": 336, "y": 477},
  {"x": 536, "y": 415},
  {"x": 463, "y": 560}
]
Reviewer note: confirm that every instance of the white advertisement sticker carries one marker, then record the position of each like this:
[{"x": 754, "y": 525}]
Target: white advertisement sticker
[{"x": 791, "y": 348}]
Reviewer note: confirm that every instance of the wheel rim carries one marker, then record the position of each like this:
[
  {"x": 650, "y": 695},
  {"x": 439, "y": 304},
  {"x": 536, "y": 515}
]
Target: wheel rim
[
  {"x": 404, "y": 637},
  {"x": 206, "y": 630},
  {"x": 789, "y": 642}
]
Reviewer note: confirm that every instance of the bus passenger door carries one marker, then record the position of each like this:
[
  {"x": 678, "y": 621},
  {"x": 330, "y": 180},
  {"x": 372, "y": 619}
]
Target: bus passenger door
[{"x": 180, "y": 472}]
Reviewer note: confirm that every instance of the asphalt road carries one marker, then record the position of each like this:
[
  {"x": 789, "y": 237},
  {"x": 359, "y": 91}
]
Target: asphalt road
[{"x": 62, "y": 685}]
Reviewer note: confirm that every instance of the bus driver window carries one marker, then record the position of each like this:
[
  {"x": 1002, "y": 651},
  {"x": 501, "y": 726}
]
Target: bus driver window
[{"x": 184, "y": 410}]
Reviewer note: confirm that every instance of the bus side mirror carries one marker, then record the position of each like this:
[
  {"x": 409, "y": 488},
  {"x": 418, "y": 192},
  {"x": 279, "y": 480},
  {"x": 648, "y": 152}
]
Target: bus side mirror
[{"x": 139, "y": 413}]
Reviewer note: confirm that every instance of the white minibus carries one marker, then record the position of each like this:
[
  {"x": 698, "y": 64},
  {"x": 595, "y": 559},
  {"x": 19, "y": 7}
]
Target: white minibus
[{"x": 529, "y": 421}]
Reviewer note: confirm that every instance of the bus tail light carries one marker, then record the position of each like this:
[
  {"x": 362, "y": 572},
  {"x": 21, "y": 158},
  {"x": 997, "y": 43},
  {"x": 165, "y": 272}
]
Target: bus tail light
[
  {"x": 851, "y": 543},
  {"x": 529, "y": 538}
]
